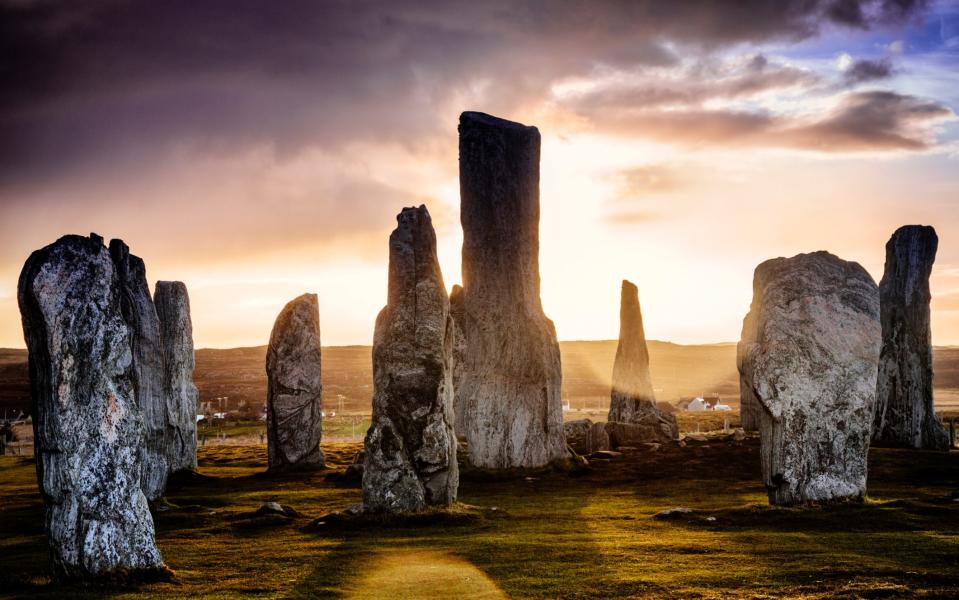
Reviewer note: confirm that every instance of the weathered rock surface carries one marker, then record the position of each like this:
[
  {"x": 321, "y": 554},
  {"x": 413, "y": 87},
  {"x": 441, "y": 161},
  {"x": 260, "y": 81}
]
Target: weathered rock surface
[
  {"x": 176, "y": 333},
  {"x": 508, "y": 384},
  {"x": 632, "y": 399},
  {"x": 905, "y": 415},
  {"x": 410, "y": 458},
  {"x": 459, "y": 354},
  {"x": 648, "y": 429},
  {"x": 599, "y": 437},
  {"x": 294, "y": 410},
  {"x": 579, "y": 435},
  {"x": 140, "y": 313},
  {"x": 88, "y": 427},
  {"x": 585, "y": 437},
  {"x": 809, "y": 355}
]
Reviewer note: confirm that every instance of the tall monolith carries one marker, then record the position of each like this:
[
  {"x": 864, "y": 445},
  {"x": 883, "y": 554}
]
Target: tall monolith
[
  {"x": 140, "y": 312},
  {"x": 632, "y": 399},
  {"x": 294, "y": 408},
  {"x": 410, "y": 459},
  {"x": 88, "y": 429},
  {"x": 176, "y": 334},
  {"x": 905, "y": 415},
  {"x": 809, "y": 355},
  {"x": 509, "y": 385}
]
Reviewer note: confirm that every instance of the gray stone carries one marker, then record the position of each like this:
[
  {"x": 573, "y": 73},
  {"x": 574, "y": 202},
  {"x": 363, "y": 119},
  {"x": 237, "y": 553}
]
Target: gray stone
[
  {"x": 139, "y": 311},
  {"x": 508, "y": 383},
  {"x": 410, "y": 459},
  {"x": 673, "y": 513},
  {"x": 905, "y": 415},
  {"x": 176, "y": 333},
  {"x": 651, "y": 430},
  {"x": 88, "y": 427},
  {"x": 598, "y": 437},
  {"x": 809, "y": 356},
  {"x": 578, "y": 434},
  {"x": 632, "y": 399},
  {"x": 585, "y": 437},
  {"x": 459, "y": 353},
  {"x": 294, "y": 409}
]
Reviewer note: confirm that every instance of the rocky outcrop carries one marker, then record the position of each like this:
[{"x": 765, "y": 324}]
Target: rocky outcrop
[
  {"x": 809, "y": 355},
  {"x": 88, "y": 427},
  {"x": 905, "y": 415},
  {"x": 508, "y": 384},
  {"x": 139, "y": 311},
  {"x": 632, "y": 399},
  {"x": 294, "y": 410},
  {"x": 410, "y": 448},
  {"x": 176, "y": 333}
]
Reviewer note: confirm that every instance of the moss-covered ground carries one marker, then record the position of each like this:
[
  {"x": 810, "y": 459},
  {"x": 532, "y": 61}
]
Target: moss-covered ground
[{"x": 554, "y": 535}]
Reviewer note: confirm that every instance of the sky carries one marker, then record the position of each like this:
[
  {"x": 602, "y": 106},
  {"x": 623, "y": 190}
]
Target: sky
[{"x": 257, "y": 151}]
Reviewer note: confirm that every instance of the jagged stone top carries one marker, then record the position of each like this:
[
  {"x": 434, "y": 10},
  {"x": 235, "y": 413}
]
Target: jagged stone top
[
  {"x": 295, "y": 345},
  {"x": 910, "y": 254},
  {"x": 817, "y": 273},
  {"x": 413, "y": 245},
  {"x": 481, "y": 119}
]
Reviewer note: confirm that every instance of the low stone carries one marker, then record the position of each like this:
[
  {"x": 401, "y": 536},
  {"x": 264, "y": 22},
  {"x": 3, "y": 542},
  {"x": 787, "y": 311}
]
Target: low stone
[
  {"x": 696, "y": 437},
  {"x": 634, "y": 434},
  {"x": 578, "y": 434},
  {"x": 739, "y": 435},
  {"x": 598, "y": 437},
  {"x": 673, "y": 513},
  {"x": 652, "y": 446},
  {"x": 275, "y": 508},
  {"x": 605, "y": 455}
]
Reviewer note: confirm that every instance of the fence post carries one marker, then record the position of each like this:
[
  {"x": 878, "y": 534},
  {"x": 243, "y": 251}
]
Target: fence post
[
  {"x": 3, "y": 445},
  {"x": 952, "y": 432}
]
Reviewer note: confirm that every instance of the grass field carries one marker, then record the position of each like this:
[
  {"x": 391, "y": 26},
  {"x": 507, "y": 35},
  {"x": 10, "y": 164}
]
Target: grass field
[{"x": 556, "y": 535}]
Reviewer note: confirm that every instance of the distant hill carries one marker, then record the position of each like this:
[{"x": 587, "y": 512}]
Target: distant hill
[{"x": 238, "y": 374}]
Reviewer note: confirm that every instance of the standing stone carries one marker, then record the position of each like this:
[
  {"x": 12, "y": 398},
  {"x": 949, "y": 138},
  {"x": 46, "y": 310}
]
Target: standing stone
[
  {"x": 139, "y": 311},
  {"x": 459, "y": 358},
  {"x": 410, "y": 447},
  {"x": 632, "y": 400},
  {"x": 509, "y": 385},
  {"x": 905, "y": 415},
  {"x": 809, "y": 354},
  {"x": 294, "y": 408},
  {"x": 176, "y": 333},
  {"x": 88, "y": 430}
]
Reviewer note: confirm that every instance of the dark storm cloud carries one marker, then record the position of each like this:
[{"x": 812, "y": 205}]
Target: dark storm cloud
[
  {"x": 862, "y": 121},
  {"x": 871, "y": 120},
  {"x": 865, "y": 70},
  {"x": 863, "y": 15},
  {"x": 115, "y": 83}
]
